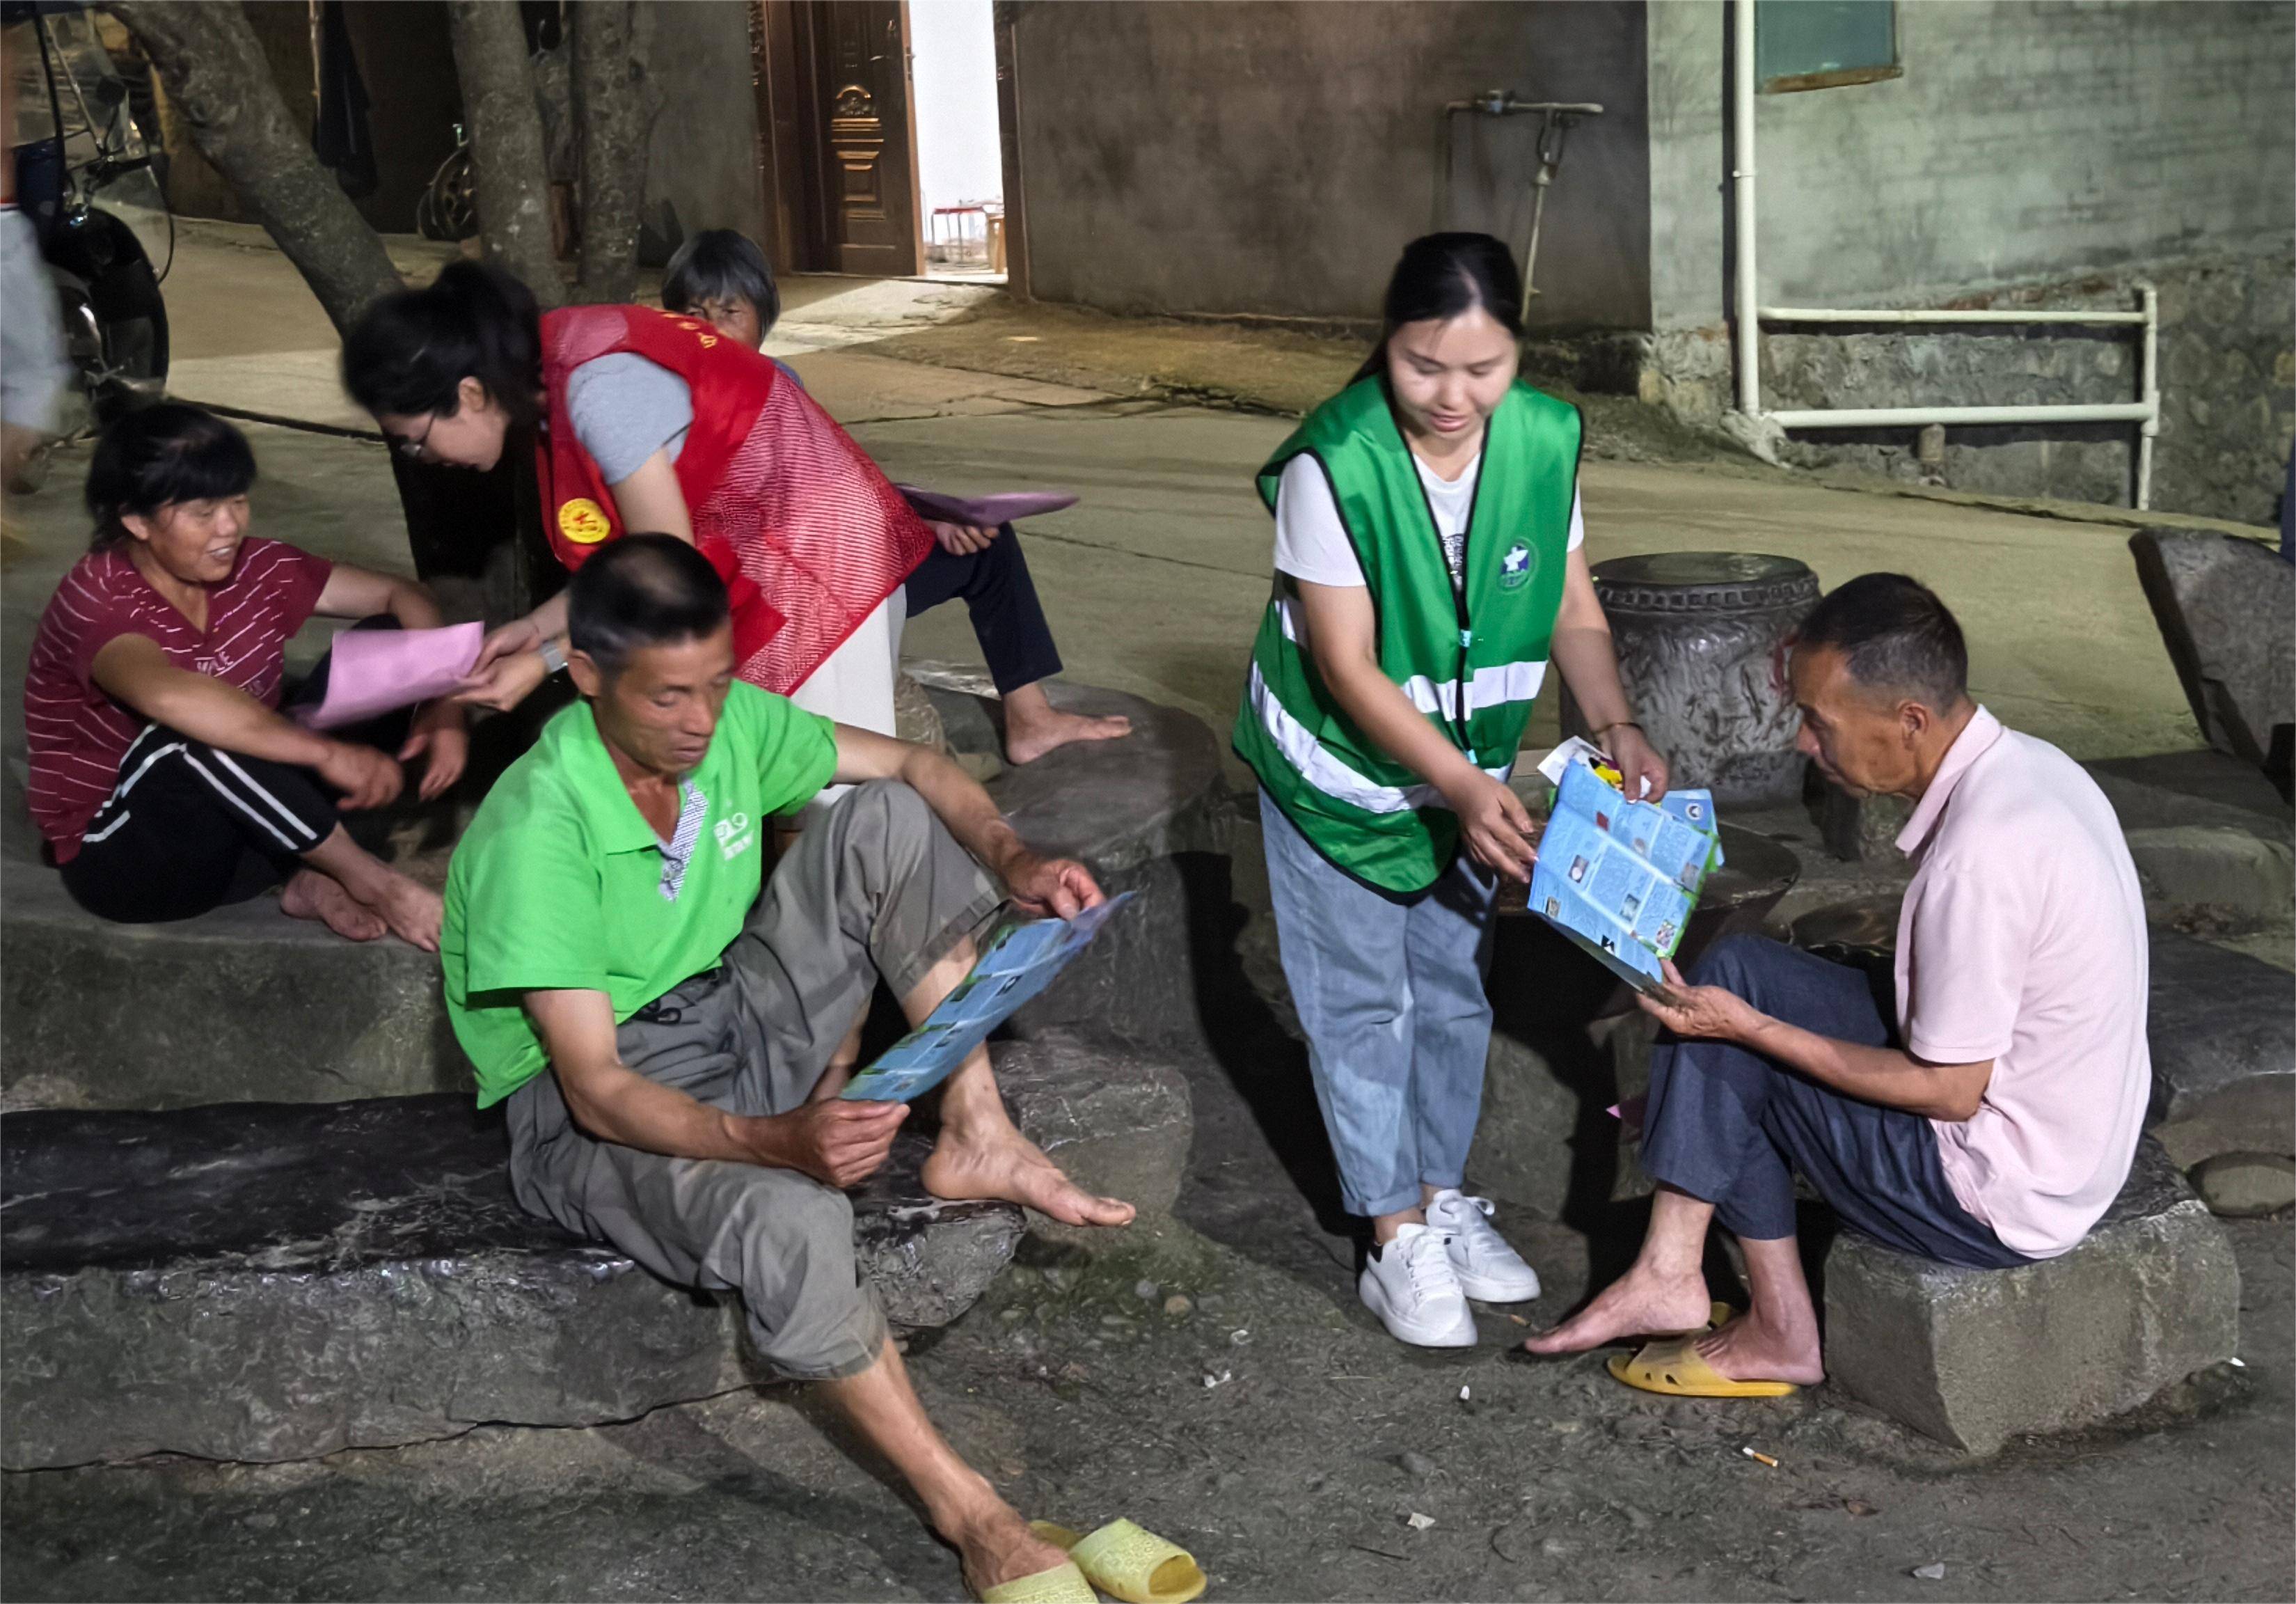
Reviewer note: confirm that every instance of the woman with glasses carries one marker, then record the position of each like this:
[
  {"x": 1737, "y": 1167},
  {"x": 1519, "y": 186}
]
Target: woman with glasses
[
  {"x": 165, "y": 779},
  {"x": 647, "y": 421}
]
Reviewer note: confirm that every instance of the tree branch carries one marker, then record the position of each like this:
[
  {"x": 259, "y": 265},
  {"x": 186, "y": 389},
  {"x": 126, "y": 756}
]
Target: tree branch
[
  {"x": 218, "y": 77},
  {"x": 612, "y": 110},
  {"x": 509, "y": 169}
]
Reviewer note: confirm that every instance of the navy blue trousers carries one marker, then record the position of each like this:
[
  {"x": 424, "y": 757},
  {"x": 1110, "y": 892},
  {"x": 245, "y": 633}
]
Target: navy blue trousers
[
  {"x": 1731, "y": 1127},
  {"x": 1008, "y": 621}
]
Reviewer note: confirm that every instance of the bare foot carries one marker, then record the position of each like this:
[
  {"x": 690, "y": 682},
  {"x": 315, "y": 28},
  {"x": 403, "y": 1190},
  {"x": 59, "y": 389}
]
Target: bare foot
[
  {"x": 1748, "y": 1350},
  {"x": 1007, "y": 1165},
  {"x": 999, "y": 1549},
  {"x": 311, "y": 895},
  {"x": 1640, "y": 1301},
  {"x": 412, "y": 911},
  {"x": 1027, "y": 739}
]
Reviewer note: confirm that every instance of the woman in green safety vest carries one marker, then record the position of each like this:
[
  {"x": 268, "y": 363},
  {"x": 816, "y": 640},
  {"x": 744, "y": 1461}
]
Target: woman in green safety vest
[{"x": 1428, "y": 568}]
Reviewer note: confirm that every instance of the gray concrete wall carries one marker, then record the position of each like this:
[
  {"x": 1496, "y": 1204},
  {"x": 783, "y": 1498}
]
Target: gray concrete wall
[
  {"x": 703, "y": 157},
  {"x": 1273, "y": 158},
  {"x": 2033, "y": 153},
  {"x": 2026, "y": 141}
]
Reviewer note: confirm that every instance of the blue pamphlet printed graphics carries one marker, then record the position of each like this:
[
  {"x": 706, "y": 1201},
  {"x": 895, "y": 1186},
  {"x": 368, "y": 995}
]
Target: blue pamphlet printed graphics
[
  {"x": 1017, "y": 968},
  {"x": 1619, "y": 878}
]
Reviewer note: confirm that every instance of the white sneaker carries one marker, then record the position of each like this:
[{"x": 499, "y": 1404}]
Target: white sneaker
[
  {"x": 1486, "y": 1267},
  {"x": 1410, "y": 1285}
]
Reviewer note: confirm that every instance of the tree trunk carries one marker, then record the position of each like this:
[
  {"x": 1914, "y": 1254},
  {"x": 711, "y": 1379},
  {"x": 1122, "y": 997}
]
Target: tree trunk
[
  {"x": 217, "y": 74},
  {"x": 509, "y": 170},
  {"x": 613, "y": 112}
]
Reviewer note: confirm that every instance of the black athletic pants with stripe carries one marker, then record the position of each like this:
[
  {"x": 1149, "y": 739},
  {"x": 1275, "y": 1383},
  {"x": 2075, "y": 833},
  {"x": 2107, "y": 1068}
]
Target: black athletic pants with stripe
[{"x": 190, "y": 827}]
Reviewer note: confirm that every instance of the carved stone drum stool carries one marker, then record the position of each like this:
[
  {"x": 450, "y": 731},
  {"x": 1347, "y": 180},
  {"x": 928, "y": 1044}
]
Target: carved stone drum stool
[{"x": 1699, "y": 635}]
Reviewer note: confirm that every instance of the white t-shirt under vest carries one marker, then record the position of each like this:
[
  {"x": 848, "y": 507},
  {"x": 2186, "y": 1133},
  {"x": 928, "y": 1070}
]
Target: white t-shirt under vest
[{"x": 1312, "y": 545}]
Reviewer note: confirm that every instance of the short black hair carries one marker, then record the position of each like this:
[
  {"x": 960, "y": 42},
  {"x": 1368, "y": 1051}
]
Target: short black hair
[
  {"x": 1894, "y": 634},
  {"x": 160, "y": 454},
  {"x": 716, "y": 264},
  {"x": 642, "y": 590}
]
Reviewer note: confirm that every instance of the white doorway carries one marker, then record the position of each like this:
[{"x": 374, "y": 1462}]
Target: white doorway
[{"x": 960, "y": 157}]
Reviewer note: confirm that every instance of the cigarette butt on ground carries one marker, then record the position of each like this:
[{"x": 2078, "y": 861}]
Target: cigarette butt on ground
[
  {"x": 1520, "y": 1321},
  {"x": 1760, "y": 1457}
]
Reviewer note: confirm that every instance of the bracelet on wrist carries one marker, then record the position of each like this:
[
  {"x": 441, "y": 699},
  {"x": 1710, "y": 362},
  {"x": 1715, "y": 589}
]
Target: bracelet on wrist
[
  {"x": 553, "y": 661},
  {"x": 1604, "y": 729}
]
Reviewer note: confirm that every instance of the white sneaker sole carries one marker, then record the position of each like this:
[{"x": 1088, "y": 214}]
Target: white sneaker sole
[
  {"x": 1460, "y": 1334},
  {"x": 1495, "y": 1289}
]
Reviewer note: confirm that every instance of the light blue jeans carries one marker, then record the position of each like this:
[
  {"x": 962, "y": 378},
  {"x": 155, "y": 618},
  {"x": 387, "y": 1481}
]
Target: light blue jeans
[{"x": 1389, "y": 990}]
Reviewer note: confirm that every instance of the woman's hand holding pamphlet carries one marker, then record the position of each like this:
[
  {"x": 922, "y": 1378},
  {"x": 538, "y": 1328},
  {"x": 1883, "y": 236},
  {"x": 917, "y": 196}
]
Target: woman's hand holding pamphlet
[{"x": 1619, "y": 877}]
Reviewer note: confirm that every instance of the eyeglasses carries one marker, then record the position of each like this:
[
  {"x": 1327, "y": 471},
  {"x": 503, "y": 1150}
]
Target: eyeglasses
[{"x": 413, "y": 449}]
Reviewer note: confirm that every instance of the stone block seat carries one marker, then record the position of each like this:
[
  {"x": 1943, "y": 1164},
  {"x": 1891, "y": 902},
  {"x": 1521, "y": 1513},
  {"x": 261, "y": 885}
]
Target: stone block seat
[
  {"x": 1975, "y": 1357},
  {"x": 2226, "y": 608},
  {"x": 275, "y": 1280},
  {"x": 2222, "y": 1036},
  {"x": 245, "y": 1005}
]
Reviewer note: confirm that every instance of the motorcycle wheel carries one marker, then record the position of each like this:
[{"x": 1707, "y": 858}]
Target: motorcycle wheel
[
  {"x": 132, "y": 328},
  {"x": 448, "y": 209},
  {"x": 115, "y": 323}
]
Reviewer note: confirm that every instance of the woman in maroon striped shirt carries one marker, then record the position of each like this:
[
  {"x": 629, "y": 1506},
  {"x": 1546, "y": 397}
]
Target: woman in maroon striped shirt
[{"x": 163, "y": 776}]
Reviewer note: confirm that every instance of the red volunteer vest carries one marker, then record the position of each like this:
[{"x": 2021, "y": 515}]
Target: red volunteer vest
[{"x": 808, "y": 534}]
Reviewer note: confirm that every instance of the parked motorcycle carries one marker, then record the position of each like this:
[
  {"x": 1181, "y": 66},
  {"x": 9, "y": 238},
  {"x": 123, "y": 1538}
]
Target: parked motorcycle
[{"x": 84, "y": 176}]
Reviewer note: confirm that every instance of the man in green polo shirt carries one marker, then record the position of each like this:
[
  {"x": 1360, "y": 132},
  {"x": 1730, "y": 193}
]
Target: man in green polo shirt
[{"x": 665, "y": 1025}]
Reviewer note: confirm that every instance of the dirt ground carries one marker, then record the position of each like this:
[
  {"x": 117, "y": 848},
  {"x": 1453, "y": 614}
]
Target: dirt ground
[
  {"x": 1267, "y": 1425},
  {"x": 1213, "y": 1378}
]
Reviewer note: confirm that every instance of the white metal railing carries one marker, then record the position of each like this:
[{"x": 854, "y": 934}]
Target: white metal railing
[{"x": 2144, "y": 412}]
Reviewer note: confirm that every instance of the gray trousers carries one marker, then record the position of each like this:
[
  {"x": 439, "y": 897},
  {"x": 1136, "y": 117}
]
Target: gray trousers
[{"x": 876, "y": 887}]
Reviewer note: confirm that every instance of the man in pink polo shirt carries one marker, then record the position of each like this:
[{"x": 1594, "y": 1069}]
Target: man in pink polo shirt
[{"x": 1997, "y": 1118}]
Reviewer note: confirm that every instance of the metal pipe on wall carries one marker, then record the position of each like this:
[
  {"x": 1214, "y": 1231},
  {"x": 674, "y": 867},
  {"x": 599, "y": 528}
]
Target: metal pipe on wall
[
  {"x": 1741, "y": 182},
  {"x": 1888, "y": 417},
  {"x": 1857, "y": 315},
  {"x": 2148, "y": 380},
  {"x": 2144, "y": 411}
]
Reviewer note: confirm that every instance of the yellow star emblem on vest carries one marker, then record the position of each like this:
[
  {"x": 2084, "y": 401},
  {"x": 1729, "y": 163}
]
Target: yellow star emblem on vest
[{"x": 584, "y": 521}]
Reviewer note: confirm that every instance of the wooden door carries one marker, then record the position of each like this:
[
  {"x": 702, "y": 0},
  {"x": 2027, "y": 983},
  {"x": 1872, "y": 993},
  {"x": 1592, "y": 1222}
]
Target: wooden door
[
  {"x": 868, "y": 141},
  {"x": 833, "y": 115}
]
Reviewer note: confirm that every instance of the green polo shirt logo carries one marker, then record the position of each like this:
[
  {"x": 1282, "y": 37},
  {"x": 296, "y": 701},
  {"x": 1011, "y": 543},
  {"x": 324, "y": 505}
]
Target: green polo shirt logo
[
  {"x": 559, "y": 884},
  {"x": 734, "y": 836}
]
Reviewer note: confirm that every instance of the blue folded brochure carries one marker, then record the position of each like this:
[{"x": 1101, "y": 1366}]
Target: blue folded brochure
[
  {"x": 1620, "y": 878},
  {"x": 1018, "y": 966}
]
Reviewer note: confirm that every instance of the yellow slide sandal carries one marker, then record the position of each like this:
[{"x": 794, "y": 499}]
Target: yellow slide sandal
[
  {"x": 1675, "y": 1369},
  {"x": 1064, "y": 1584},
  {"x": 1125, "y": 1562}
]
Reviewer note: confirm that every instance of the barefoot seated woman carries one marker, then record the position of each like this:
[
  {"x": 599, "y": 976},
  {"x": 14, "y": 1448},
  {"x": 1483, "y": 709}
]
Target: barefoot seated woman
[
  {"x": 163, "y": 777},
  {"x": 666, "y": 1022},
  {"x": 721, "y": 277},
  {"x": 1998, "y": 1118}
]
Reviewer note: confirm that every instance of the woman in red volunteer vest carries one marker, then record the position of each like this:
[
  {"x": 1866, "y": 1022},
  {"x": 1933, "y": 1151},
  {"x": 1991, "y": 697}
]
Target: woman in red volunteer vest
[{"x": 653, "y": 421}]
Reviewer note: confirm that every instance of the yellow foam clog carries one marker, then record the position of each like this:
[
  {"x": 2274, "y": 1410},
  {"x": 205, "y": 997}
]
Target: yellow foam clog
[
  {"x": 1675, "y": 1369},
  {"x": 1127, "y": 1563}
]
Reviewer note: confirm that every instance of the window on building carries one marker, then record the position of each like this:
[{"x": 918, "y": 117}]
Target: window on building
[{"x": 1824, "y": 44}]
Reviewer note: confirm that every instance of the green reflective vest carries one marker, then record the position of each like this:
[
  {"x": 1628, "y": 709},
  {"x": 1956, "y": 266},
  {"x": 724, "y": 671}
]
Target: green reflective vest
[{"x": 1473, "y": 663}]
